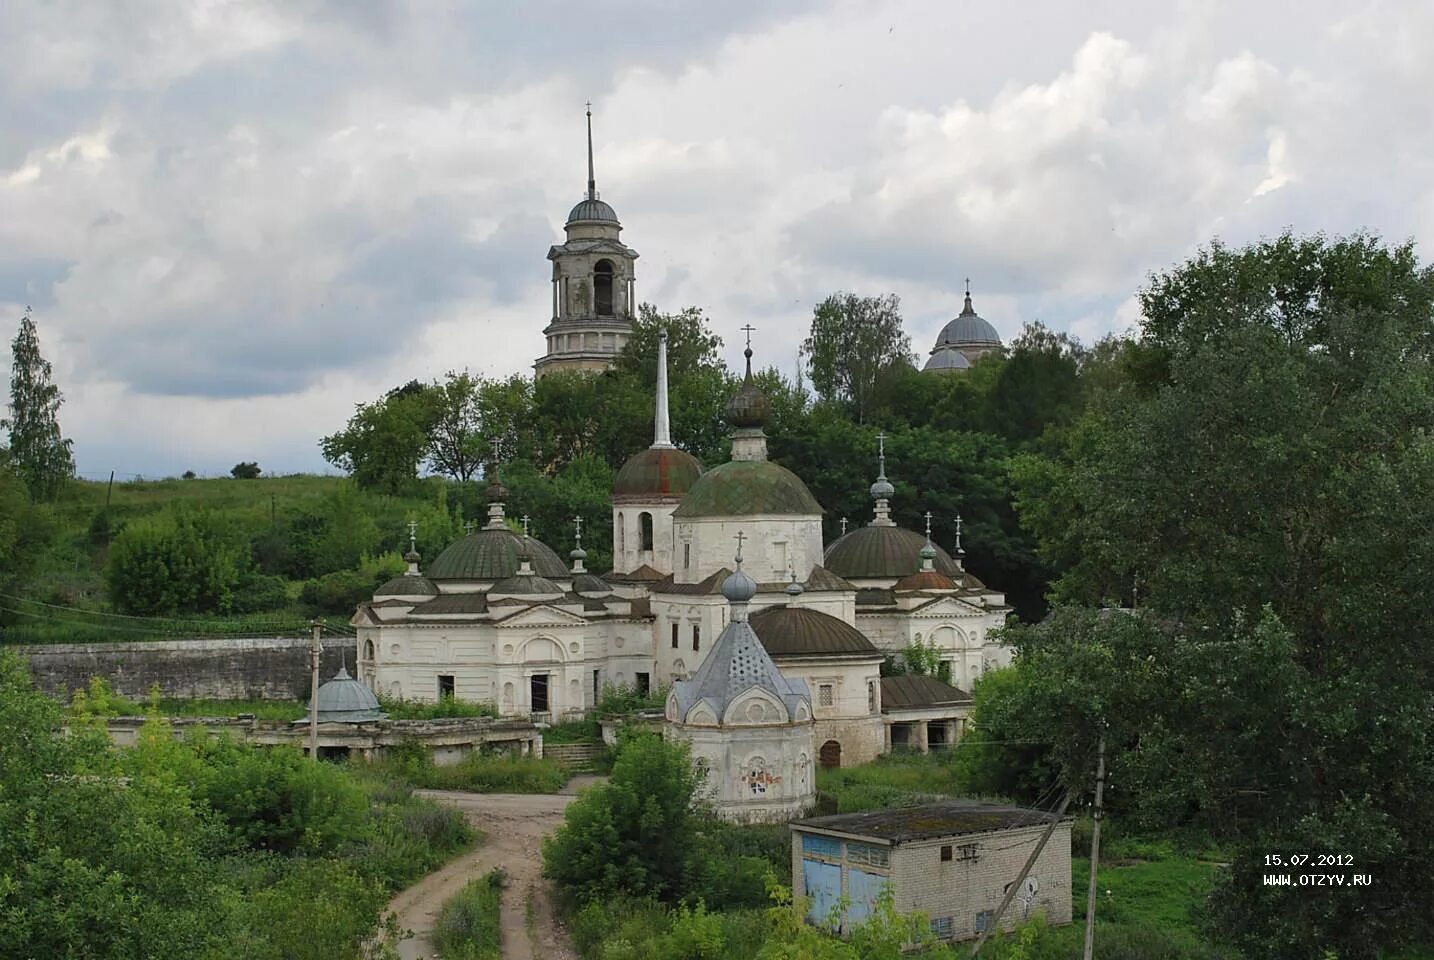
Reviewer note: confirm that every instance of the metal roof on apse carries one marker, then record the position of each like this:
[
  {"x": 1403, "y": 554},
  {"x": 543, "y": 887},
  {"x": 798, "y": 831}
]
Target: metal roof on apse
[
  {"x": 803, "y": 632},
  {"x": 406, "y": 586}
]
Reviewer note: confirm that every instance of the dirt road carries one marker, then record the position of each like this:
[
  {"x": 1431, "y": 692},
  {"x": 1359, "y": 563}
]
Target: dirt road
[{"x": 515, "y": 825}]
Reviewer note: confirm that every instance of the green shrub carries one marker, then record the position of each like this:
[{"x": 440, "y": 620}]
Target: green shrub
[
  {"x": 620, "y": 698},
  {"x": 476, "y": 773},
  {"x": 259, "y": 592},
  {"x": 181, "y": 561},
  {"x": 577, "y": 731},
  {"x": 468, "y": 925},
  {"x": 446, "y": 707}
]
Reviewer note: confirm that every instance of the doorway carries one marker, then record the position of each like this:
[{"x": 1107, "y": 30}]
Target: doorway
[
  {"x": 538, "y": 693},
  {"x": 830, "y": 755}
]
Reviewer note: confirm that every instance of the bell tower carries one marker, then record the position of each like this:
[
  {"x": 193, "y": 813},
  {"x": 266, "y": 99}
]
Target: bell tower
[{"x": 593, "y": 286}]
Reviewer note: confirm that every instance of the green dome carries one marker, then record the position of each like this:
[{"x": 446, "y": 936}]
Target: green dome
[
  {"x": 492, "y": 554},
  {"x": 744, "y": 488},
  {"x": 803, "y": 632},
  {"x": 882, "y": 552},
  {"x": 656, "y": 472}
]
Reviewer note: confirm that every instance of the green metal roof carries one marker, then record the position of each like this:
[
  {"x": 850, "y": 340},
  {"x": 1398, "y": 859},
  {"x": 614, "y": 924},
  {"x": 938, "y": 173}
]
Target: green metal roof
[
  {"x": 803, "y": 632},
  {"x": 875, "y": 552},
  {"x": 657, "y": 472},
  {"x": 912, "y": 692},
  {"x": 744, "y": 488},
  {"x": 493, "y": 555}
]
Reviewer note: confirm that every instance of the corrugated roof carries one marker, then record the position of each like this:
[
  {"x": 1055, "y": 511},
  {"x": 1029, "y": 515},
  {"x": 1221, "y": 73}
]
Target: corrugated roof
[
  {"x": 705, "y": 587},
  {"x": 949, "y": 818},
  {"x": 468, "y": 604},
  {"x": 643, "y": 574},
  {"x": 915, "y": 692},
  {"x": 803, "y": 632},
  {"x": 406, "y": 586}
]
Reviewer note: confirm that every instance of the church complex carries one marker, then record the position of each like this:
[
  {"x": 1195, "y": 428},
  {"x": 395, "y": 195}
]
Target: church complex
[{"x": 724, "y": 592}]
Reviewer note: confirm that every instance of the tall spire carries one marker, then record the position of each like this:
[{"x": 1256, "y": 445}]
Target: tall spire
[
  {"x": 966, "y": 311},
  {"x": 661, "y": 432},
  {"x": 592, "y": 181}
]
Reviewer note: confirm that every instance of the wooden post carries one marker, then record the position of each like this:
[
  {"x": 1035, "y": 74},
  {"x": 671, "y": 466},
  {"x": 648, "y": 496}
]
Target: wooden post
[
  {"x": 316, "y": 649},
  {"x": 1094, "y": 850}
]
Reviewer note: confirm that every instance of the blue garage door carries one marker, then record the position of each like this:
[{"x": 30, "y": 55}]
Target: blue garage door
[
  {"x": 823, "y": 884},
  {"x": 865, "y": 889}
]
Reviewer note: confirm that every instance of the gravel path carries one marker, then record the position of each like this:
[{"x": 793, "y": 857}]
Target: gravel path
[{"x": 515, "y": 825}]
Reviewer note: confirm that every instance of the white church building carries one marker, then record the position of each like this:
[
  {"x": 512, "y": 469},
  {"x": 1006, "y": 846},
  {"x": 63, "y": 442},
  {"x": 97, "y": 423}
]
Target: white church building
[{"x": 497, "y": 616}]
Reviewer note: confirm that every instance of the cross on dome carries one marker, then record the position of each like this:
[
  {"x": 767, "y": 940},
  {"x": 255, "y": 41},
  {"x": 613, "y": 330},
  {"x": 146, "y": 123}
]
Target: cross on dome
[
  {"x": 413, "y": 535},
  {"x": 578, "y": 522},
  {"x": 524, "y": 518},
  {"x": 467, "y": 527},
  {"x": 958, "y": 534},
  {"x": 843, "y": 526},
  {"x": 739, "y": 538},
  {"x": 928, "y": 526}
]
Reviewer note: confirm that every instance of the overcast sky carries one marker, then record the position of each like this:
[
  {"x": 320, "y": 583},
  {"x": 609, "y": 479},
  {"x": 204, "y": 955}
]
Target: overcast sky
[{"x": 234, "y": 221}]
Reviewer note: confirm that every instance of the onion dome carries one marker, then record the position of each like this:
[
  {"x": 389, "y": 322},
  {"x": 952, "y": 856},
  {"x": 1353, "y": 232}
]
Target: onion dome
[
  {"x": 739, "y": 587},
  {"x": 492, "y": 553},
  {"x": 882, "y": 488},
  {"x": 344, "y": 700},
  {"x": 883, "y": 552},
  {"x": 656, "y": 473},
  {"x": 741, "y": 488},
  {"x": 749, "y": 407},
  {"x": 925, "y": 580},
  {"x": 804, "y": 632}
]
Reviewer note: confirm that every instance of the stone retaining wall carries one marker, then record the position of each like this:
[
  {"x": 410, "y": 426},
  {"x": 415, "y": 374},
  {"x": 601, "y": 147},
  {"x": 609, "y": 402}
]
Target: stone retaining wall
[{"x": 237, "y": 668}]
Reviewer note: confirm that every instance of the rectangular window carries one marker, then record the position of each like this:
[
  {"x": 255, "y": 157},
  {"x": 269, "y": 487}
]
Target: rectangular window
[
  {"x": 696, "y": 637},
  {"x": 686, "y": 556},
  {"x": 867, "y": 853},
  {"x": 983, "y": 920},
  {"x": 674, "y": 635},
  {"x": 967, "y": 851},
  {"x": 824, "y": 695},
  {"x": 445, "y": 686},
  {"x": 946, "y": 853},
  {"x": 942, "y": 928},
  {"x": 643, "y": 683},
  {"x": 820, "y": 846}
]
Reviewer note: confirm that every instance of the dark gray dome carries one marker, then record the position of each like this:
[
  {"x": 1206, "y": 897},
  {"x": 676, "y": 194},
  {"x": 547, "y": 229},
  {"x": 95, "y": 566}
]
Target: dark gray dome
[
  {"x": 344, "y": 700},
  {"x": 591, "y": 585},
  {"x": 525, "y": 585},
  {"x": 593, "y": 210}
]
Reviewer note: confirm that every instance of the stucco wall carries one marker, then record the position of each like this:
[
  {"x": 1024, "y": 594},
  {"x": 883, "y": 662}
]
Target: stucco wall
[{"x": 239, "y": 668}]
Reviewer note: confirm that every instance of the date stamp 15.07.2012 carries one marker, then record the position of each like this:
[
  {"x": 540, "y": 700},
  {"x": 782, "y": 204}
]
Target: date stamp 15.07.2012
[{"x": 1313, "y": 870}]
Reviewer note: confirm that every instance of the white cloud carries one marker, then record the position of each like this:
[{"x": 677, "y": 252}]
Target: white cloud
[{"x": 236, "y": 220}]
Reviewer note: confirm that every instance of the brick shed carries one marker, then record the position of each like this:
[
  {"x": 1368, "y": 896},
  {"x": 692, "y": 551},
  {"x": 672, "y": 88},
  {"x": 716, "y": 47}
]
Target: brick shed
[{"x": 952, "y": 861}]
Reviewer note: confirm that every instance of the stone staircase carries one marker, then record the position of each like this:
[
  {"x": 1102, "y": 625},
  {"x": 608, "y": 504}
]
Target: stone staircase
[{"x": 574, "y": 756}]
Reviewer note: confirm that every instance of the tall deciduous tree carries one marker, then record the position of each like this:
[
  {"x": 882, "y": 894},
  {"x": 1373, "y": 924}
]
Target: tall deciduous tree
[
  {"x": 854, "y": 342},
  {"x": 1268, "y": 448},
  {"x": 384, "y": 442},
  {"x": 456, "y": 445},
  {"x": 40, "y": 453}
]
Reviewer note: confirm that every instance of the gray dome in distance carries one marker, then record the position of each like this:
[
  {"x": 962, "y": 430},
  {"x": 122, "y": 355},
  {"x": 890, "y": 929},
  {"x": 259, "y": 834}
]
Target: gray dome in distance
[{"x": 344, "y": 700}]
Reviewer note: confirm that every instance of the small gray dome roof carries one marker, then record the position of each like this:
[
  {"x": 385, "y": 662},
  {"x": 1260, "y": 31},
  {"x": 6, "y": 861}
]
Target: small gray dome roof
[
  {"x": 591, "y": 585},
  {"x": 407, "y": 586},
  {"x": 525, "y": 585},
  {"x": 592, "y": 209},
  {"x": 968, "y": 329},
  {"x": 344, "y": 700},
  {"x": 947, "y": 358}
]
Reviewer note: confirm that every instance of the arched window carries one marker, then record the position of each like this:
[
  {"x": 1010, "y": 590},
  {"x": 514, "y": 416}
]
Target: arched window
[
  {"x": 621, "y": 535},
  {"x": 368, "y": 650},
  {"x": 602, "y": 287},
  {"x": 644, "y": 523}
]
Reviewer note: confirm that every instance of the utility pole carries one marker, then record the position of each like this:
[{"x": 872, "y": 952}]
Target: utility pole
[
  {"x": 316, "y": 649},
  {"x": 1094, "y": 849},
  {"x": 1021, "y": 877}
]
